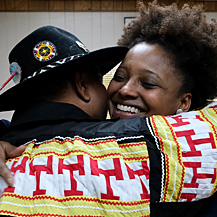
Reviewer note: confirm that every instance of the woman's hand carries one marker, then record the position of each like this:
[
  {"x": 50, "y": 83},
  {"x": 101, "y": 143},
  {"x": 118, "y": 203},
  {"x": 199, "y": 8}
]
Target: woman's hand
[{"x": 8, "y": 151}]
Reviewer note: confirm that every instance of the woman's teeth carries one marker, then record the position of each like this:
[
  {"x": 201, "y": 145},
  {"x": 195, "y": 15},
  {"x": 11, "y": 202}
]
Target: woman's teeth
[{"x": 128, "y": 108}]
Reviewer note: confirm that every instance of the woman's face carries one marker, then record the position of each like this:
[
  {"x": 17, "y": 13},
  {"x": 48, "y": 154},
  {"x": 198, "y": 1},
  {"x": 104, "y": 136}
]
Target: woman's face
[{"x": 145, "y": 84}]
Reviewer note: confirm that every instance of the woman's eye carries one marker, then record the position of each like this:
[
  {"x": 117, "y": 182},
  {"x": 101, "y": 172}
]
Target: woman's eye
[
  {"x": 148, "y": 85},
  {"x": 118, "y": 78}
]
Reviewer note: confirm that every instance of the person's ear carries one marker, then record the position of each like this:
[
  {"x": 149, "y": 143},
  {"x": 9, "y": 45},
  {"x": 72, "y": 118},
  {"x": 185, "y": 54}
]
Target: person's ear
[
  {"x": 185, "y": 102},
  {"x": 82, "y": 86}
]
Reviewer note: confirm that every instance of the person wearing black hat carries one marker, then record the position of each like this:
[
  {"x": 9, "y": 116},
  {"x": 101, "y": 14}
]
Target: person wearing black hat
[
  {"x": 50, "y": 54},
  {"x": 59, "y": 83},
  {"x": 77, "y": 166}
]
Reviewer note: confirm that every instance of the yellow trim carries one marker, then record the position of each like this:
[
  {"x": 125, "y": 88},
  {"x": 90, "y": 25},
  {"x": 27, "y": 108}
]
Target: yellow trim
[
  {"x": 174, "y": 179},
  {"x": 208, "y": 116},
  {"x": 71, "y": 206},
  {"x": 100, "y": 150}
]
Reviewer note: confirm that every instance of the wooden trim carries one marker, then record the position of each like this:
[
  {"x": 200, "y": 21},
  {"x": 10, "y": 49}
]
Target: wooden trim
[{"x": 87, "y": 5}]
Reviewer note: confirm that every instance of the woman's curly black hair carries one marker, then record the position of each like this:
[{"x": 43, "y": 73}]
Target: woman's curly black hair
[{"x": 186, "y": 34}]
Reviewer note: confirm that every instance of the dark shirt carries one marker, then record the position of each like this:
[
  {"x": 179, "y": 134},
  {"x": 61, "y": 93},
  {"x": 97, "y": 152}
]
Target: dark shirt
[
  {"x": 29, "y": 122},
  {"x": 4, "y": 124},
  {"x": 48, "y": 111}
]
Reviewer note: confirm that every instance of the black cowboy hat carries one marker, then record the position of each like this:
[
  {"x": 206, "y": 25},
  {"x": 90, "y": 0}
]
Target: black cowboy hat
[{"x": 44, "y": 52}]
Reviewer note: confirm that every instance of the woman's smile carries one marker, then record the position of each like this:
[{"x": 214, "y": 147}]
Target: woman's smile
[{"x": 146, "y": 83}]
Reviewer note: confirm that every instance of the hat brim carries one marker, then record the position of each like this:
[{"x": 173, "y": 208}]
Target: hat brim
[{"x": 105, "y": 59}]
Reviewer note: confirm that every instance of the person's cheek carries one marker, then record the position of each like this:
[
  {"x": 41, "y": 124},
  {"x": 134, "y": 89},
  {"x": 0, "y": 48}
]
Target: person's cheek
[
  {"x": 112, "y": 89},
  {"x": 110, "y": 106},
  {"x": 104, "y": 101}
]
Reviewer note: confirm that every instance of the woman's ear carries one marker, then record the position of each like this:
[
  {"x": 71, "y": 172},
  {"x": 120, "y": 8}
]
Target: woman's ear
[
  {"x": 185, "y": 102},
  {"x": 82, "y": 86}
]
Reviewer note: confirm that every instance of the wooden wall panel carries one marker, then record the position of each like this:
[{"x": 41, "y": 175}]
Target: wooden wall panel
[
  {"x": 107, "y": 5},
  {"x": 10, "y": 5},
  {"x": 57, "y": 5},
  {"x": 38, "y": 6},
  {"x": 88, "y": 5},
  {"x": 96, "y": 5},
  {"x": 82, "y": 5},
  {"x": 129, "y": 5},
  {"x": 211, "y": 6},
  {"x": 69, "y": 5},
  {"x": 118, "y": 5},
  {"x": 21, "y": 5},
  {"x": 2, "y": 6},
  {"x": 181, "y": 3}
]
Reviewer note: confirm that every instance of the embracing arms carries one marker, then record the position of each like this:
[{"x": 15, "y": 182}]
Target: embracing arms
[{"x": 8, "y": 151}]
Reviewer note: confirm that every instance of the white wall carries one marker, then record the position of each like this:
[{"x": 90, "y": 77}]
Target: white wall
[{"x": 94, "y": 29}]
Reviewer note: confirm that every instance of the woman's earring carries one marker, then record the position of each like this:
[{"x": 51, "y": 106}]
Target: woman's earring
[{"x": 179, "y": 111}]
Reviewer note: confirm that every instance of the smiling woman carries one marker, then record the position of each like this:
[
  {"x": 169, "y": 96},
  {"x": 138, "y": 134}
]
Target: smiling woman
[
  {"x": 171, "y": 65},
  {"x": 146, "y": 83}
]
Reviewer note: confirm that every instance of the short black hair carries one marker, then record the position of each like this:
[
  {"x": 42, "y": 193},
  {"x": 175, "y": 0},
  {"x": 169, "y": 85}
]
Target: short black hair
[{"x": 53, "y": 85}]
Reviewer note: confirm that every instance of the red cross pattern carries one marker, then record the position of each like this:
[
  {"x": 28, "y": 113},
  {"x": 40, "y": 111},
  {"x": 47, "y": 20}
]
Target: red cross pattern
[
  {"x": 198, "y": 152},
  {"x": 111, "y": 179},
  {"x": 15, "y": 167},
  {"x": 37, "y": 169},
  {"x": 141, "y": 169},
  {"x": 143, "y": 173},
  {"x": 79, "y": 166}
]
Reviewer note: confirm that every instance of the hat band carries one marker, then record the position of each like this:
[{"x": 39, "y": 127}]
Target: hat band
[{"x": 53, "y": 65}]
